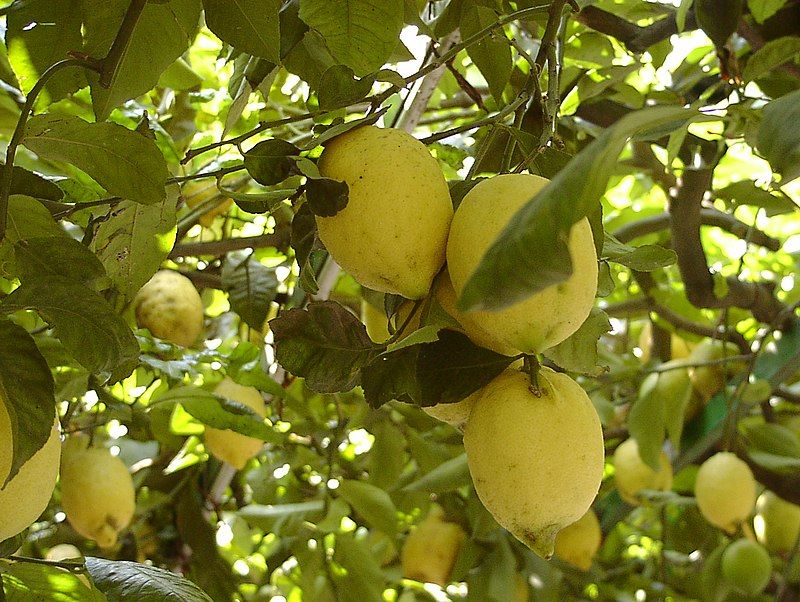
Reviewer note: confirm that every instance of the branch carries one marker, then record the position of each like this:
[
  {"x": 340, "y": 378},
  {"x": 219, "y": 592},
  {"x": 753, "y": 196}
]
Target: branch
[
  {"x": 708, "y": 217},
  {"x": 684, "y": 208},
  {"x": 636, "y": 39},
  {"x": 279, "y": 240}
]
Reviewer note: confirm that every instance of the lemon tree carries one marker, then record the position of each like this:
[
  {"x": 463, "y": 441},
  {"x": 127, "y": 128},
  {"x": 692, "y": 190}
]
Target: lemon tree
[{"x": 409, "y": 301}]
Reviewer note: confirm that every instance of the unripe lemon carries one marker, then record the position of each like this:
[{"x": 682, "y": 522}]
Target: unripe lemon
[
  {"x": 547, "y": 317},
  {"x": 391, "y": 236},
  {"x": 746, "y": 566},
  {"x": 777, "y": 522},
  {"x": 170, "y": 307},
  {"x": 97, "y": 492},
  {"x": 725, "y": 491},
  {"x": 227, "y": 445},
  {"x": 430, "y": 551},
  {"x": 446, "y": 296},
  {"x": 578, "y": 543},
  {"x": 25, "y": 497},
  {"x": 632, "y": 475},
  {"x": 709, "y": 380},
  {"x": 196, "y": 192},
  {"x": 536, "y": 461}
]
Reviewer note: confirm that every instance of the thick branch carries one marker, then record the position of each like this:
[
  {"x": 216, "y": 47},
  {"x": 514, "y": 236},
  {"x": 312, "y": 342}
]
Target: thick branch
[
  {"x": 708, "y": 217},
  {"x": 684, "y": 208},
  {"x": 636, "y": 39}
]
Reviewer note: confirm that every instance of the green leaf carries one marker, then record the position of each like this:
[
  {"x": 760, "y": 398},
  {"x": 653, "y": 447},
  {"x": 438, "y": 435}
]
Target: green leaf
[
  {"x": 34, "y": 185},
  {"x": 326, "y": 197},
  {"x": 761, "y": 10},
  {"x": 161, "y": 35},
  {"x": 251, "y": 26},
  {"x": 578, "y": 352},
  {"x": 745, "y": 192},
  {"x": 359, "y": 33},
  {"x": 268, "y": 161},
  {"x": 647, "y": 420},
  {"x": 27, "y": 388},
  {"x": 27, "y": 218},
  {"x": 772, "y": 438},
  {"x": 125, "y": 581},
  {"x": 391, "y": 376},
  {"x": 491, "y": 54},
  {"x": 338, "y": 87},
  {"x": 778, "y": 144},
  {"x": 372, "y": 503},
  {"x": 251, "y": 287},
  {"x": 263, "y": 516},
  {"x": 59, "y": 256},
  {"x": 308, "y": 58},
  {"x": 40, "y": 33},
  {"x": 26, "y": 582},
  {"x": 325, "y": 344},
  {"x": 645, "y": 258},
  {"x": 448, "y": 476},
  {"x": 531, "y": 254},
  {"x": 773, "y": 54},
  {"x": 452, "y": 368},
  {"x": 323, "y": 133},
  {"x": 88, "y": 326},
  {"x": 362, "y": 578},
  {"x": 123, "y": 162},
  {"x": 387, "y": 458},
  {"x": 220, "y": 413},
  {"x": 133, "y": 240}
]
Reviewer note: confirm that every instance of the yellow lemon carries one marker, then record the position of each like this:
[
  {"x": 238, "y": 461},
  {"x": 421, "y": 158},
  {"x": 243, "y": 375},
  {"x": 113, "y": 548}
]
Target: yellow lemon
[
  {"x": 536, "y": 461},
  {"x": 725, "y": 491},
  {"x": 578, "y": 543},
  {"x": 632, "y": 475},
  {"x": 391, "y": 236},
  {"x": 170, "y": 307},
  {"x": 547, "y": 317},
  {"x": 25, "y": 497},
  {"x": 709, "y": 380},
  {"x": 431, "y": 549},
  {"x": 227, "y": 445},
  {"x": 97, "y": 492},
  {"x": 378, "y": 324}
]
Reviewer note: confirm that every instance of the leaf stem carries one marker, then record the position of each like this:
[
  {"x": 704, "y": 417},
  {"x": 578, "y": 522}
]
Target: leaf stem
[
  {"x": 19, "y": 131},
  {"x": 110, "y": 64}
]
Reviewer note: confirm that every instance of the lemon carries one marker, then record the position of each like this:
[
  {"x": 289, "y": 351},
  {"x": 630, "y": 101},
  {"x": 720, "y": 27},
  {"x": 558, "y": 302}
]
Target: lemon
[
  {"x": 431, "y": 549},
  {"x": 578, "y": 543},
  {"x": 196, "y": 192},
  {"x": 446, "y": 296},
  {"x": 709, "y": 380},
  {"x": 97, "y": 492},
  {"x": 391, "y": 236},
  {"x": 725, "y": 491},
  {"x": 632, "y": 475},
  {"x": 377, "y": 323},
  {"x": 746, "y": 566},
  {"x": 169, "y": 306},
  {"x": 63, "y": 551},
  {"x": 777, "y": 523},
  {"x": 547, "y": 317},
  {"x": 227, "y": 445},
  {"x": 25, "y": 497},
  {"x": 536, "y": 461}
]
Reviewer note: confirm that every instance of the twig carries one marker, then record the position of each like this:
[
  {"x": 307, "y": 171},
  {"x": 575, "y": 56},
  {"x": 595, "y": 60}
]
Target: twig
[
  {"x": 636, "y": 39},
  {"x": 216, "y": 248},
  {"x": 110, "y": 64},
  {"x": 491, "y": 119}
]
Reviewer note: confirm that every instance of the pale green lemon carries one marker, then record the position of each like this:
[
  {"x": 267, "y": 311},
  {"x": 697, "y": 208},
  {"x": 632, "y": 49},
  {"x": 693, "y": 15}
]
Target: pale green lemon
[
  {"x": 547, "y": 317},
  {"x": 536, "y": 460},
  {"x": 391, "y": 236},
  {"x": 97, "y": 492},
  {"x": 170, "y": 307},
  {"x": 227, "y": 445},
  {"x": 725, "y": 491},
  {"x": 578, "y": 543},
  {"x": 632, "y": 475},
  {"x": 777, "y": 523}
]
